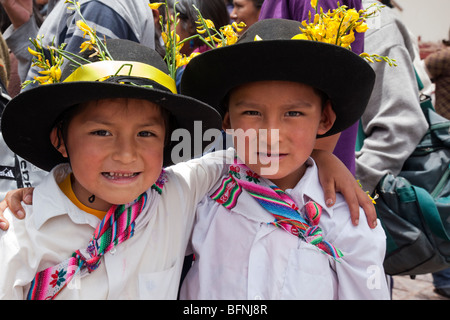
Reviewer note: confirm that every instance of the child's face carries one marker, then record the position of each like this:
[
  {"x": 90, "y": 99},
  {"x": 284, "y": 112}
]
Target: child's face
[
  {"x": 115, "y": 147},
  {"x": 291, "y": 114}
]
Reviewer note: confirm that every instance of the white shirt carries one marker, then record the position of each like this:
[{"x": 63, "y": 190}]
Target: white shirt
[
  {"x": 146, "y": 266},
  {"x": 239, "y": 256}
]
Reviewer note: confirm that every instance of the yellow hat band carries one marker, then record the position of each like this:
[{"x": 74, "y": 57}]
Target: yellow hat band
[{"x": 99, "y": 71}]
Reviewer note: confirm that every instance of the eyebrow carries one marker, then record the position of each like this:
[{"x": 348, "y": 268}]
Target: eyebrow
[
  {"x": 299, "y": 104},
  {"x": 293, "y": 104},
  {"x": 152, "y": 122},
  {"x": 245, "y": 103}
]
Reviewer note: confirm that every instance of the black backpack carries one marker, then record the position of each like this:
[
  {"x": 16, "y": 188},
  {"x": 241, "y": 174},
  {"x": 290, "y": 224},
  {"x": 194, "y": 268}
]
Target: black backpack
[{"x": 414, "y": 207}]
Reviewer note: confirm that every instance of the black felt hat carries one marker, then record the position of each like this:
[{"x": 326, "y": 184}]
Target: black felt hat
[
  {"x": 136, "y": 72},
  {"x": 266, "y": 51}
]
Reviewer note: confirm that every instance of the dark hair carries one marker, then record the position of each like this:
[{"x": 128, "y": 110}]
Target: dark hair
[
  {"x": 323, "y": 97},
  {"x": 258, "y": 3}
]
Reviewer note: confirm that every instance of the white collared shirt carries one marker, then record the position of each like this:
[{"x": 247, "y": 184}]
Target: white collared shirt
[
  {"x": 238, "y": 255},
  {"x": 146, "y": 266}
]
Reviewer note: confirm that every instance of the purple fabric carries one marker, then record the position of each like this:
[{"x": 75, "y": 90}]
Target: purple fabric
[
  {"x": 345, "y": 147},
  {"x": 298, "y": 10}
]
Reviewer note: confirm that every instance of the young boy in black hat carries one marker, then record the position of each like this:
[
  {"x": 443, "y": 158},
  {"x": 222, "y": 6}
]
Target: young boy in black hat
[
  {"x": 264, "y": 232},
  {"x": 105, "y": 142}
]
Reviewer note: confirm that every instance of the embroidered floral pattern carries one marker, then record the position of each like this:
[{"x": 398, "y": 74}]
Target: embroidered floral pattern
[
  {"x": 58, "y": 278},
  {"x": 252, "y": 177},
  {"x": 234, "y": 171}
]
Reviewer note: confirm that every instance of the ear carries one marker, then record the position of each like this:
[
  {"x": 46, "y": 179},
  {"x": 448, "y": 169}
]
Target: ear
[
  {"x": 226, "y": 124},
  {"x": 58, "y": 141},
  {"x": 155, "y": 13},
  {"x": 327, "y": 119}
]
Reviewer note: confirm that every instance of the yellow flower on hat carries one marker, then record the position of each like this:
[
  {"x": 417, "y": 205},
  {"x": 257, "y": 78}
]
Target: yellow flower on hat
[
  {"x": 203, "y": 26},
  {"x": 53, "y": 75},
  {"x": 347, "y": 40},
  {"x": 50, "y": 62},
  {"x": 32, "y": 52},
  {"x": 362, "y": 27},
  {"x": 84, "y": 27},
  {"x": 229, "y": 31},
  {"x": 350, "y": 17},
  {"x": 238, "y": 26},
  {"x": 86, "y": 45},
  {"x": 207, "y": 33},
  {"x": 338, "y": 27},
  {"x": 156, "y": 5},
  {"x": 300, "y": 36}
]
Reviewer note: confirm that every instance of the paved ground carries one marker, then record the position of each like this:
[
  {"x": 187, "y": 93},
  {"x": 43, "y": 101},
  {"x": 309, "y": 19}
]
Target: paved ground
[{"x": 420, "y": 288}]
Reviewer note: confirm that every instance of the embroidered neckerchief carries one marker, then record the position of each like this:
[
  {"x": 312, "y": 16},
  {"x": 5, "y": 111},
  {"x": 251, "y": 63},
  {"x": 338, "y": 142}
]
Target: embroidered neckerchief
[
  {"x": 117, "y": 226},
  {"x": 285, "y": 211}
]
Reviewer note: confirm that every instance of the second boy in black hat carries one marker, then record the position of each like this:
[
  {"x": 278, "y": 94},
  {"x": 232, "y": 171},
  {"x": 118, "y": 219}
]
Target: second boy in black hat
[{"x": 265, "y": 231}]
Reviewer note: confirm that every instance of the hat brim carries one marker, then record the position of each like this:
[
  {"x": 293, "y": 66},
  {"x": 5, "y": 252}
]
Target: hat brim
[
  {"x": 37, "y": 109},
  {"x": 345, "y": 77}
]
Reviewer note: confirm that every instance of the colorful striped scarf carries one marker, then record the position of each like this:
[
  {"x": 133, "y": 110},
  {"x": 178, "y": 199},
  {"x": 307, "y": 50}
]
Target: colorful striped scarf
[
  {"x": 286, "y": 213},
  {"x": 117, "y": 226}
]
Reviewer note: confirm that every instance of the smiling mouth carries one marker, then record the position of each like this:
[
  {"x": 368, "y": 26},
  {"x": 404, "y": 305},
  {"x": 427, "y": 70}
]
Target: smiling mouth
[
  {"x": 118, "y": 175},
  {"x": 267, "y": 158},
  {"x": 271, "y": 155}
]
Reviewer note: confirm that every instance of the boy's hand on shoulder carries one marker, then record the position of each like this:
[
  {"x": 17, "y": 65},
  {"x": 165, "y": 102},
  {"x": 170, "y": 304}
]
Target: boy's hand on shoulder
[
  {"x": 355, "y": 198},
  {"x": 13, "y": 201},
  {"x": 335, "y": 177}
]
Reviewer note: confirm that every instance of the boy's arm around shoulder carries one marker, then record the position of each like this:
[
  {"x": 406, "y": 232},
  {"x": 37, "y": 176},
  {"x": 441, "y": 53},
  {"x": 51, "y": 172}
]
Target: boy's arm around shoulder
[
  {"x": 189, "y": 182},
  {"x": 360, "y": 271},
  {"x": 198, "y": 176},
  {"x": 16, "y": 257}
]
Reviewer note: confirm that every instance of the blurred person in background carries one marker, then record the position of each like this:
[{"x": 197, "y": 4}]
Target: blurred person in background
[
  {"x": 246, "y": 11},
  {"x": 438, "y": 67}
]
